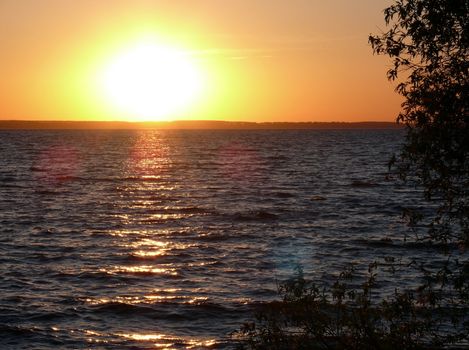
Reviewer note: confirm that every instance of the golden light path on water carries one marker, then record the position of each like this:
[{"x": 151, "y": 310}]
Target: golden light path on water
[
  {"x": 145, "y": 258},
  {"x": 158, "y": 340},
  {"x": 148, "y": 165},
  {"x": 192, "y": 344},
  {"x": 180, "y": 234}
]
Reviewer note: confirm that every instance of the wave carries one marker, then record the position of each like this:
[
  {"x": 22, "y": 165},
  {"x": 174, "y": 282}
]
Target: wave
[{"x": 256, "y": 215}]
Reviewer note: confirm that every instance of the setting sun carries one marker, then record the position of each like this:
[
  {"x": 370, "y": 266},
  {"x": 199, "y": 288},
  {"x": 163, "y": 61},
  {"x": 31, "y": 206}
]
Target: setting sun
[
  {"x": 234, "y": 174},
  {"x": 148, "y": 81}
]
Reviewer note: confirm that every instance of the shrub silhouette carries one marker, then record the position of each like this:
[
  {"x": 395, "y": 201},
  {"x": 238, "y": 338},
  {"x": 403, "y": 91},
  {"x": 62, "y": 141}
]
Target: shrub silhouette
[{"x": 348, "y": 315}]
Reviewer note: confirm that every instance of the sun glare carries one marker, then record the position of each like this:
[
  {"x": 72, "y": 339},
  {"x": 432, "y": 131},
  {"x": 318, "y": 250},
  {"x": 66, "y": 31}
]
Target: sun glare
[{"x": 148, "y": 81}]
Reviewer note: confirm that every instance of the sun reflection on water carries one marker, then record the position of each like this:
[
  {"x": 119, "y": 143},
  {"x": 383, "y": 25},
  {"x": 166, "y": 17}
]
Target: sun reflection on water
[
  {"x": 170, "y": 341},
  {"x": 147, "y": 299},
  {"x": 149, "y": 155},
  {"x": 147, "y": 202},
  {"x": 148, "y": 254},
  {"x": 141, "y": 269}
]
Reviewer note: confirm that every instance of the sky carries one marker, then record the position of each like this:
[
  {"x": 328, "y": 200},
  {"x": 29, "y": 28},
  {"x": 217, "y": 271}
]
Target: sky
[{"x": 249, "y": 60}]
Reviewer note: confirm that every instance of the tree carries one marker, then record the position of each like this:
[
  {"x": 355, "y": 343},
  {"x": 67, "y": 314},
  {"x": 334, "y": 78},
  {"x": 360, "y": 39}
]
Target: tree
[{"x": 428, "y": 42}]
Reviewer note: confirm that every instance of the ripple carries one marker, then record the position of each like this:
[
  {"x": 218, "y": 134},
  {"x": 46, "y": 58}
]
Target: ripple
[{"x": 170, "y": 239}]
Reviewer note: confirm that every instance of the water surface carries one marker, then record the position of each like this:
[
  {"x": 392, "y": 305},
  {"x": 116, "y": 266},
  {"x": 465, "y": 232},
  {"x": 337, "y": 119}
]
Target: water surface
[{"x": 144, "y": 239}]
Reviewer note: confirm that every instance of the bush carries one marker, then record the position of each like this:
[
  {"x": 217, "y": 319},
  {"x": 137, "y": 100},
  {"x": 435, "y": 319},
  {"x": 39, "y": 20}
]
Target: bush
[{"x": 348, "y": 315}]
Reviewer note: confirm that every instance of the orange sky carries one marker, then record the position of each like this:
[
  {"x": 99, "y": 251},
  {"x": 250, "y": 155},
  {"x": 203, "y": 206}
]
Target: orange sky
[{"x": 261, "y": 60}]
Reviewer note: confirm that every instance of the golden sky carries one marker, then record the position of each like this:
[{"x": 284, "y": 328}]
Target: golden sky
[{"x": 255, "y": 60}]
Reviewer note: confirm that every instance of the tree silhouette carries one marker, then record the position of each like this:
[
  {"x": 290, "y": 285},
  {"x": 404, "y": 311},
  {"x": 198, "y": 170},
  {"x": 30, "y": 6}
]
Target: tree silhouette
[{"x": 428, "y": 42}]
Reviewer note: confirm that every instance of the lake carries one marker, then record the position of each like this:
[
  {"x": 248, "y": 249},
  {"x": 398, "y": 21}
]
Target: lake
[{"x": 143, "y": 238}]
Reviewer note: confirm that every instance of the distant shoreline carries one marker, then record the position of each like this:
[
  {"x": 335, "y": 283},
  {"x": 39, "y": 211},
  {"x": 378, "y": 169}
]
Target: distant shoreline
[{"x": 190, "y": 125}]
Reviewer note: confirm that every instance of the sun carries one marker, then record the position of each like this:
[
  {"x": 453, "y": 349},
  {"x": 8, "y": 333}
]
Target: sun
[{"x": 148, "y": 81}]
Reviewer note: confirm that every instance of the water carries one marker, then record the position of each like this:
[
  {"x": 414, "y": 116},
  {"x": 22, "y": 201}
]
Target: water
[{"x": 144, "y": 239}]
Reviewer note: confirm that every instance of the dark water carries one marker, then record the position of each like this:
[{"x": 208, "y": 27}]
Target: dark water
[{"x": 147, "y": 239}]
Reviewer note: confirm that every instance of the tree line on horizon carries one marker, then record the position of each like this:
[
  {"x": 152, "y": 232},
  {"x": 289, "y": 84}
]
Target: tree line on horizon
[{"x": 192, "y": 124}]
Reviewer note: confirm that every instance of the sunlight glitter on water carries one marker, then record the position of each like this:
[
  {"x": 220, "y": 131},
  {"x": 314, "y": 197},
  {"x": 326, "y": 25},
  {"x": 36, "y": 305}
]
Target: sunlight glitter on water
[
  {"x": 143, "y": 269},
  {"x": 149, "y": 156},
  {"x": 150, "y": 248},
  {"x": 170, "y": 341},
  {"x": 180, "y": 233},
  {"x": 149, "y": 254},
  {"x": 145, "y": 336},
  {"x": 135, "y": 300},
  {"x": 167, "y": 344}
]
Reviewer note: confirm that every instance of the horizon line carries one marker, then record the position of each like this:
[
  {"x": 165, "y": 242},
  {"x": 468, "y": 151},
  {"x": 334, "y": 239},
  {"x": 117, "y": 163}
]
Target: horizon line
[{"x": 192, "y": 124}]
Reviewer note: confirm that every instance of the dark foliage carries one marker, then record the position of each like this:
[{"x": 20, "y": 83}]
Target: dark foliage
[
  {"x": 351, "y": 315},
  {"x": 428, "y": 43}
]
